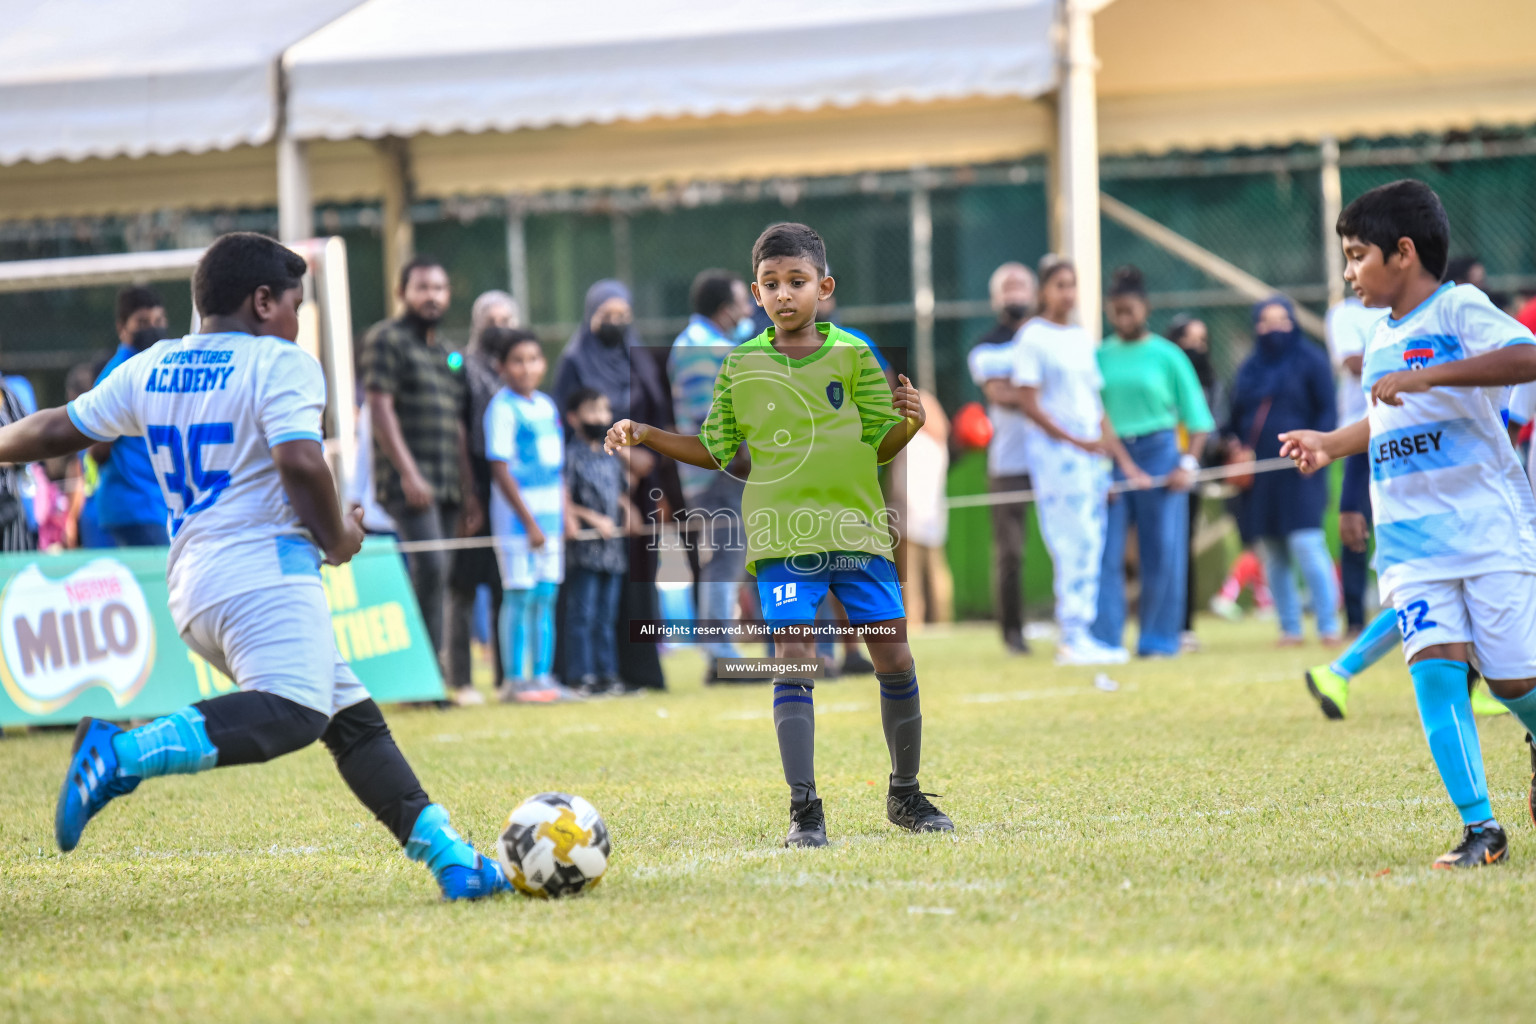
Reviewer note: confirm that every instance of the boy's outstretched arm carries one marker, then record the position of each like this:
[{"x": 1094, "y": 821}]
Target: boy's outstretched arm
[
  {"x": 682, "y": 447},
  {"x": 1311, "y": 450},
  {"x": 312, "y": 493},
  {"x": 909, "y": 403},
  {"x": 1512, "y": 364},
  {"x": 43, "y": 435}
]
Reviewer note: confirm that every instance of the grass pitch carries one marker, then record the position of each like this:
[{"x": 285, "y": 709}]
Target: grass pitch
[{"x": 1199, "y": 845}]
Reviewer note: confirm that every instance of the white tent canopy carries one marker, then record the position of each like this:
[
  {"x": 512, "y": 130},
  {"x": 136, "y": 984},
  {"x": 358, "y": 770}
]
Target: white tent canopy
[
  {"x": 104, "y": 78},
  {"x": 403, "y": 67}
]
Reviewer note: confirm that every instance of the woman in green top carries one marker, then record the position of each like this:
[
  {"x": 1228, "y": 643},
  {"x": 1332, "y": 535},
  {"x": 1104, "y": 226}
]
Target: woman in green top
[{"x": 1150, "y": 390}]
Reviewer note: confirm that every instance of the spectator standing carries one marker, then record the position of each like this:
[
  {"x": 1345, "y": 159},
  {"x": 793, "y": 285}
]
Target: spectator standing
[
  {"x": 524, "y": 443},
  {"x": 606, "y": 354},
  {"x": 1059, "y": 382},
  {"x": 721, "y": 319},
  {"x": 129, "y": 504},
  {"x": 83, "y": 529},
  {"x": 1193, "y": 339},
  {"x": 1350, "y": 325},
  {"x": 1012, "y": 293},
  {"x": 918, "y": 476},
  {"x": 1150, "y": 391},
  {"x": 595, "y": 503},
  {"x": 474, "y": 568},
  {"x": 416, "y": 402},
  {"x": 15, "y": 534},
  {"x": 1285, "y": 385}
]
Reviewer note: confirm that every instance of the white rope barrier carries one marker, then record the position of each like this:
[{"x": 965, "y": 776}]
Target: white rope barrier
[{"x": 690, "y": 525}]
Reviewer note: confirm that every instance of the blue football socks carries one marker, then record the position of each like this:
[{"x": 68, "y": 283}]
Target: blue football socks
[
  {"x": 1440, "y": 687},
  {"x": 177, "y": 744},
  {"x": 1373, "y": 644},
  {"x": 436, "y": 844},
  {"x": 1523, "y": 708}
]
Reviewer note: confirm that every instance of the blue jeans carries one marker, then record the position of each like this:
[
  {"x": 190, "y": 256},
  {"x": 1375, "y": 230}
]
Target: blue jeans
[
  {"x": 592, "y": 608},
  {"x": 718, "y": 509},
  {"x": 1307, "y": 550},
  {"x": 1161, "y": 517}
]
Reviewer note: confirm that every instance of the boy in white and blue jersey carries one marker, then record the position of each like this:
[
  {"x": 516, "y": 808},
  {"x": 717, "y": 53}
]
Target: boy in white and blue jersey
[
  {"x": 525, "y": 446},
  {"x": 231, "y": 418},
  {"x": 1455, "y": 517}
]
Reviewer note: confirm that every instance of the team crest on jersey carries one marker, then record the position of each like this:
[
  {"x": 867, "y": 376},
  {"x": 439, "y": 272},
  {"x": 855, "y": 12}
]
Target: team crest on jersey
[
  {"x": 835, "y": 394},
  {"x": 1418, "y": 358}
]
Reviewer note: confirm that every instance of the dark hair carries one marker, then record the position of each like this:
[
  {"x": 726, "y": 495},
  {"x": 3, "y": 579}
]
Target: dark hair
[
  {"x": 134, "y": 298},
  {"x": 498, "y": 342},
  {"x": 580, "y": 397},
  {"x": 1051, "y": 265},
  {"x": 711, "y": 290},
  {"x": 790, "y": 240},
  {"x": 237, "y": 264},
  {"x": 418, "y": 263},
  {"x": 1460, "y": 268},
  {"x": 1179, "y": 325},
  {"x": 1127, "y": 281},
  {"x": 1400, "y": 209}
]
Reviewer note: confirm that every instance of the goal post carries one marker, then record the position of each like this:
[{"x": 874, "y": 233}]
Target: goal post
[{"x": 325, "y": 319}]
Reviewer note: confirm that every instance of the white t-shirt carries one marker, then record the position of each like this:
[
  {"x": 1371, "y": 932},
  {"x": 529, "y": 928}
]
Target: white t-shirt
[
  {"x": 1449, "y": 497},
  {"x": 211, "y": 407},
  {"x": 1350, "y": 326},
  {"x": 927, "y": 466},
  {"x": 1061, "y": 362},
  {"x": 1010, "y": 428}
]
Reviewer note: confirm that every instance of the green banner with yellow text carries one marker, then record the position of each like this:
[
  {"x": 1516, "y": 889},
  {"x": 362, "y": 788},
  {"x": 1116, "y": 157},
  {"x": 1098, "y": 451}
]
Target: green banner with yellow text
[{"x": 89, "y": 633}]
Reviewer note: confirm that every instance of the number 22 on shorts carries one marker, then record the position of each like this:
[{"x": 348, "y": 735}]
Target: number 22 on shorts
[{"x": 1413, "y": 617}]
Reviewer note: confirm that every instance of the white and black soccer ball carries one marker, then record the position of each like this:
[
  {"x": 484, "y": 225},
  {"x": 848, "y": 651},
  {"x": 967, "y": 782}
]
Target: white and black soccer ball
[{"x": 554, "y": 845}]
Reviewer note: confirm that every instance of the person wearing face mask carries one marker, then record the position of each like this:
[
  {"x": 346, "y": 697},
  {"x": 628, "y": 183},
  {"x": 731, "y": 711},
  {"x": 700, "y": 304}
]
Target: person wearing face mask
[
  {"x": 128, "y": 503},
  {"x": 417, "y": 401},
  {"x": 721, "y": 320},
  {"x": 1150, "y": 392},
  {"x": 1286, "y": 385},
  {"x": 1012, "y": 290},
  {"x": 608, "y": 355},
  {"x": 474, "y": 568}
]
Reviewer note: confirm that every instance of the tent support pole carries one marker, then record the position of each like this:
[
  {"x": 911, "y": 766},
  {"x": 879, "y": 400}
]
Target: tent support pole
[
  {"x": 517, "y": 259},
  {"x": 1077, "y": 121},
  {"x": 1333, "y": 203},
  {"x": 295, "y": 205},
  {"x": 399, "y": 232},
  {"x": 922, "y": 283},
  {"x": 1203, "y": 259}
]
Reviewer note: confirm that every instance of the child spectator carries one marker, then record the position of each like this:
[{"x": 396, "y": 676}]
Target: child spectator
[
  {"x": 525, "y": 449},
  {"x": 594, "y": 487}
]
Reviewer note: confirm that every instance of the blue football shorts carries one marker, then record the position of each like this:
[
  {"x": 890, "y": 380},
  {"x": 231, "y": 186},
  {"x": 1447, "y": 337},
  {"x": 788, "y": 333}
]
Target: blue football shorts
[{"x": 790, "y": 589}]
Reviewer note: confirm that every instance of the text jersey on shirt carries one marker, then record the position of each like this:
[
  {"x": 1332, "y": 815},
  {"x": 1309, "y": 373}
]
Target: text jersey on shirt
[
  {"x": 211, "y": 407},
  {"x": 1060, "y": 361},
  {"x": 1005, "y": 453},
  {"x": 527, "y": 435},
  {"x": 1447, "y": 492},
  {"x": 813, "y": 426}
]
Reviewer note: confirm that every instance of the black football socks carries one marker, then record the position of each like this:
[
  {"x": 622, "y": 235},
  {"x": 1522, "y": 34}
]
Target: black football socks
[
  {"x": 372, "y": 765},
  {"x": 901, "y": 716},
  {"x": 794, "y": 719}
]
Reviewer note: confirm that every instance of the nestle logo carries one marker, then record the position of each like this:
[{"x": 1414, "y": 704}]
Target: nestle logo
[{"x": 87, "y": 591}]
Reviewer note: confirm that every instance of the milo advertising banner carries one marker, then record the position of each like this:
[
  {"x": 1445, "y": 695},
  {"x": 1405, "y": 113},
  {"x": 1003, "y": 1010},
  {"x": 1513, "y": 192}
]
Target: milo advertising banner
[{"x": 88, "y": 633}]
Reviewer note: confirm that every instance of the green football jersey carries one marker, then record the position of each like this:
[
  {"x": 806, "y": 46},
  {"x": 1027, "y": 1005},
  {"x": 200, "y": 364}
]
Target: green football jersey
[{"x": 813, "y": 427}]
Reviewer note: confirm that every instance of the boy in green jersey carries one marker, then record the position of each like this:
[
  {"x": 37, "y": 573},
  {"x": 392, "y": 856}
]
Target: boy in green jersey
[{"x": 818, "y": 418}]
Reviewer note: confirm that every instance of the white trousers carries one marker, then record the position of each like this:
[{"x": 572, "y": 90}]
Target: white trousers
[{"x": 1070, "y": 489}]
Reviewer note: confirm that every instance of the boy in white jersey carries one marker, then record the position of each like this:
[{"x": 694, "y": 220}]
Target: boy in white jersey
[
  {"x": 232, "y": 420},
  {"x": 1455, "y": 518}
]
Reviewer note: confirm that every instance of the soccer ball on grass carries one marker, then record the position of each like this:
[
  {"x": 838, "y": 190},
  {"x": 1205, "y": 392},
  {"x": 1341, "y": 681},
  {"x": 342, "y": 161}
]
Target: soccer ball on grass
[{"x": 554, "y": 845}]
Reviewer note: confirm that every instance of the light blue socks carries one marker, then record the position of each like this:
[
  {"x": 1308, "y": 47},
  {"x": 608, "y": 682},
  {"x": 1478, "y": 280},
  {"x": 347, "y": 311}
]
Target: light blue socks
[
  {"x": 174, "y": 745},
  {"x": 436, "y": 844},
  {"x": 1440, "y": 687},
  {"x": 1373, "y": 644},
  {"x": 1523, "y": 708}
]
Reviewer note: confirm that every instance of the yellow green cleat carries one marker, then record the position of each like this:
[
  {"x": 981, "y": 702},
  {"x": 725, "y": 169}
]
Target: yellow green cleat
[
  {"x": 1329, "y": 689},
  {"x": 1484, "y": 703}
]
